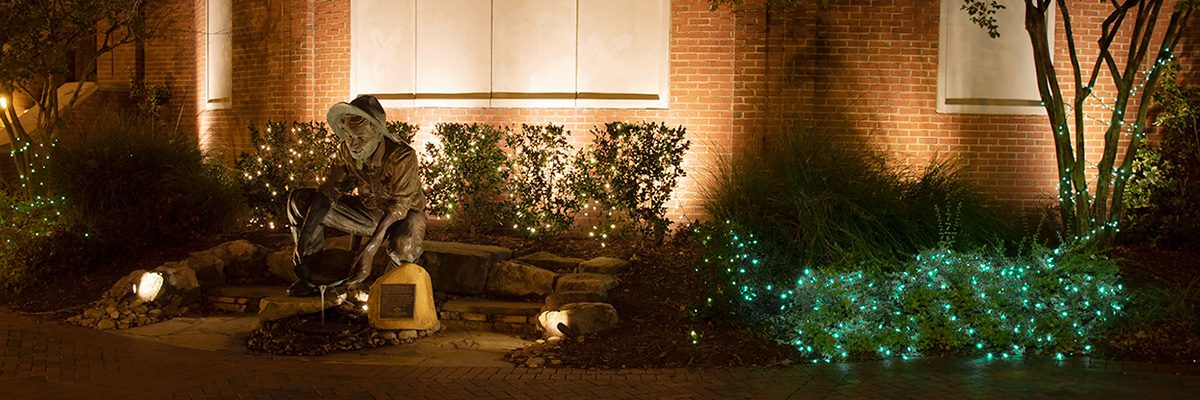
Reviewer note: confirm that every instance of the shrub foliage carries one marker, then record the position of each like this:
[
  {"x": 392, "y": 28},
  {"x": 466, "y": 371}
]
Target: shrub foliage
[
  {"x": 540, "y": 186},
  {"x": 464, "y": 175},
  {"x": 941, "y": 301},
  {"x": 629, "y": 173},
  {"x": 289, "y": 155}
]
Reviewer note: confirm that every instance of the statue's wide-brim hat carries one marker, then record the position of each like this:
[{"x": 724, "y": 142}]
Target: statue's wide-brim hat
[{"x": 364, "y": 106}]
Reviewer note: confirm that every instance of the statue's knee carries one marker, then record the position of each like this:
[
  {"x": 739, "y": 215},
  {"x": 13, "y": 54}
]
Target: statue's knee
[{"x": 299, "y": 196}]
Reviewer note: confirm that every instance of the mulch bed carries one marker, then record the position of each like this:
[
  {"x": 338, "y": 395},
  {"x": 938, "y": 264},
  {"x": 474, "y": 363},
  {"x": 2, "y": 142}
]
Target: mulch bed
[{"x": 1166, "y": 339}]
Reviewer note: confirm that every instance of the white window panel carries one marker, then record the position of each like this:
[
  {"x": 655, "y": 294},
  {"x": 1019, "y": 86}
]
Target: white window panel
[
  {"x": 454, "y": 55},
  {"x": 382, "y": 45},
  {"x": 981, "y": 74},
  {"x": 511, "y": 53},
  {"x": 533, "y": 50},
  {"x": 623, "y": 49},
  {"x": 218, "y": 59}
]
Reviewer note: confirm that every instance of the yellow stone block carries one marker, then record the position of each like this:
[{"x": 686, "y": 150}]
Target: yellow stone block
[{"x": 394, "y": 292}]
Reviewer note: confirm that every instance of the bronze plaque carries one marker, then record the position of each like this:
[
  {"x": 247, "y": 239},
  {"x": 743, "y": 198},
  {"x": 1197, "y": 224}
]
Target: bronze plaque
[{"x": 397, "y": 300}]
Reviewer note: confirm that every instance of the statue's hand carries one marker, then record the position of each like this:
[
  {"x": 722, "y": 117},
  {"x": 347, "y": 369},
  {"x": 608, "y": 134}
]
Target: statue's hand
[{"x": 362, "y": 267}]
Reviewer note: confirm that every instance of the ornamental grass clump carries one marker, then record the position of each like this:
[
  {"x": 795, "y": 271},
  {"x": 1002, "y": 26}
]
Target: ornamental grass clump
[
  {"x": 465, "y": 176},
  {"x": 816, "y": 199},
  {"x": 137, "y": 182},
  {"x": 540, "y": 188},
  {"x": 628, "y": 174},
  {"x": 975, "y": 302}
]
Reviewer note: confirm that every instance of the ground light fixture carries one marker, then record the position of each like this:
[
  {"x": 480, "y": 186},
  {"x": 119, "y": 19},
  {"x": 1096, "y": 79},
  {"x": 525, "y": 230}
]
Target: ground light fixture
[{"x": 149, "y": 286}]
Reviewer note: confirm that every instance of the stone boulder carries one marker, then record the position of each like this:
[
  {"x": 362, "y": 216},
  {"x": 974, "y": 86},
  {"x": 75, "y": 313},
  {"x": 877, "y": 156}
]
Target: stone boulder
[
  {"x": 461, "y": 268},
  {"x": 209, "y": 267},
  {"x": 551, "y": 261},
  {"x": 407, "y": 285},
  {"x": 124, "y": 286},
  {"x": 244, "y": 252},
  {"x": 517, "y": 279},
  {"x": 603, "y": 265},
  {"x": 584, "y": 282},
  {"x": 279, "y": 264},
  {"x": 179, "y": 281},
  {"x": 557, "y": 300},
  {"x": 280, "y": 307},
  {"x": 579, "y": 319},
  {"x": 243, "y": 259}
]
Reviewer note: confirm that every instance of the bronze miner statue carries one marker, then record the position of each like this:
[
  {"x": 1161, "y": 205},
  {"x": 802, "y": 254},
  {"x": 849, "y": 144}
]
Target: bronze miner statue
[{"x": 372, "y": 190}]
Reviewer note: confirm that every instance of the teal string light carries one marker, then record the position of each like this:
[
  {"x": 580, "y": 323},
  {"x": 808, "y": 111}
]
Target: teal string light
[{"x": 1050, "y": 302}]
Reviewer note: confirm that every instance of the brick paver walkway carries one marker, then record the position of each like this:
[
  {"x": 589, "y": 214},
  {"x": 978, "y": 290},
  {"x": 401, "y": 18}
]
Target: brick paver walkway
[{"x": 61, "y": 362}]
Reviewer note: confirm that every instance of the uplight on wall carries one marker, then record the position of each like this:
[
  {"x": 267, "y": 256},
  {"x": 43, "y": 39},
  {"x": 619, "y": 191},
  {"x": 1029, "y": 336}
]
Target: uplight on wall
[{"x": 3, "y": 103}]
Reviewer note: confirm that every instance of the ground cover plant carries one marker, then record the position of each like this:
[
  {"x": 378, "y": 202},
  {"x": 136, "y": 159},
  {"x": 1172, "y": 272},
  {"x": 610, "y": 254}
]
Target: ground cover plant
[{"x": 983, "y": 302}]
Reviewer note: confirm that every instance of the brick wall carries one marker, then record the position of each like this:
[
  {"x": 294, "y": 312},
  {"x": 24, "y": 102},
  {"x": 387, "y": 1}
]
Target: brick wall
[{"x": 869, "y": 65}]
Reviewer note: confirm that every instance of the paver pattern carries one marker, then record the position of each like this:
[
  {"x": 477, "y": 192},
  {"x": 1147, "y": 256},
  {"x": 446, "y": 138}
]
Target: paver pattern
[{"x": 52, "y": 361}]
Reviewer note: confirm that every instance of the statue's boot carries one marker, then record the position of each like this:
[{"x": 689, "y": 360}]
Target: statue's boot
[{"x": 303, "y": 288}]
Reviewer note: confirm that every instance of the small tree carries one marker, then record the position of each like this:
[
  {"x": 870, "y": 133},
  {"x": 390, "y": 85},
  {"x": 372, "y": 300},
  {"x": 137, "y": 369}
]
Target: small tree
[
  {"x": 37, "y": 46},
  {"x": 1091, "y": 219}
]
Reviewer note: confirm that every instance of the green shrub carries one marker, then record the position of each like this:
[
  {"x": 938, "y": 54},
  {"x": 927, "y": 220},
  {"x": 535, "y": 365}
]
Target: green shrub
[
  {"x": 815, "y": 200},
  {"x": 1164, "y": 184},
  {"x": 464, "y": 176},
  {"x": 35, "y": 241},
  {"x": 628, "y": 174},
  {"x": 285, "y": 156},
  {"x": 979, "y": 301},
  {"x": 289, "y": 155},
  {"x": 138, "y": 183},
  {"x": 540, "y": 191}
]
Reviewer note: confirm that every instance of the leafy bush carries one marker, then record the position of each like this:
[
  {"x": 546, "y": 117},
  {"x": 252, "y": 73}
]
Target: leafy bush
[
  {"x": 285, "y": 156},
  {"x": 942, "y": 301},
  {"x": 35, "y": 241},
  {"x": 138, "y": 183},
  {"x": 628, "y": 174},
  {"x": 1164, "y": 185},
  {"x": 289, "y": 155},
  {"x": 818, "y": 201},
  {"x": 540, "y": 191},
  {"x": 464, "y": 176}
]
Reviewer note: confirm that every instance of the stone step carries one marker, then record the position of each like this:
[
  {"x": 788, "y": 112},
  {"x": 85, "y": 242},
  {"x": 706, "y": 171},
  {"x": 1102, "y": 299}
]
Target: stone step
[
  {"x": 241, "y": 299},
  {"x": 585, "y": 282},
  {"x": 461, "y": 268},
  {"x": 551, "y": 261},
  {"x": 478, "y": 314},
  {"x": 247, "y": 292},
  {"x": 489, "y": 306},
  {"x": 279, "y": 307},
  {"x": 604, "y": 265}
]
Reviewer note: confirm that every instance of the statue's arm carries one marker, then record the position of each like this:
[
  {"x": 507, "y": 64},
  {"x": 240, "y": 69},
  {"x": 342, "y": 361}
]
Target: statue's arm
[{"x": 337, "y": 181}]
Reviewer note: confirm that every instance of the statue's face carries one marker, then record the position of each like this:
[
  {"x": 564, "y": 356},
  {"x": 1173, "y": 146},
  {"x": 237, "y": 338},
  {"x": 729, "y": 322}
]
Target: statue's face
[{"x": 362, "y": 140}]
